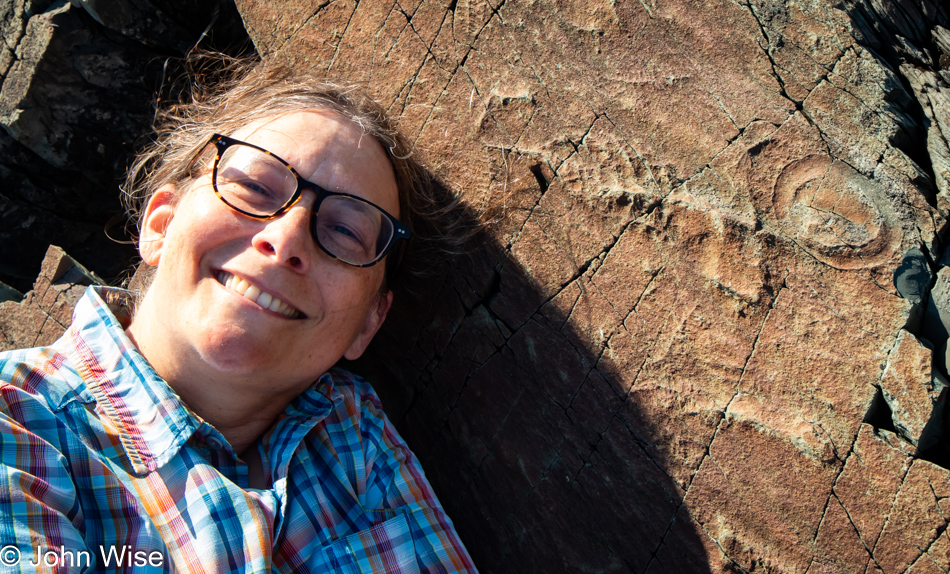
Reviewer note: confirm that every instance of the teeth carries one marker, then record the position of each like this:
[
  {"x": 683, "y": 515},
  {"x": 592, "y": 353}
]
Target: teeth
[
  {"x": 254, "y": 293},
  {"x": 263, "y": 300}
]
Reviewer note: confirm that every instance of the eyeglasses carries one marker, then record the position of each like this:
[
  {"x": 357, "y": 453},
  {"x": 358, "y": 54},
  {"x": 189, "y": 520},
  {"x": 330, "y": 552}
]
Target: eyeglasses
[{"x": 257, "y": 183}]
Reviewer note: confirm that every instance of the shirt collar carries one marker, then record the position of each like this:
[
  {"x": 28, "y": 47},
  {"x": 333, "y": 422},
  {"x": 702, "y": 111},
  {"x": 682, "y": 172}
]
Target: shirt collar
[{"x": 151, "y": 420}]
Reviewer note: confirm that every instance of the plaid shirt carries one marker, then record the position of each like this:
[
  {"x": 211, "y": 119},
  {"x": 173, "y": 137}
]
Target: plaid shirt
[{"x": 103, "y": 468}]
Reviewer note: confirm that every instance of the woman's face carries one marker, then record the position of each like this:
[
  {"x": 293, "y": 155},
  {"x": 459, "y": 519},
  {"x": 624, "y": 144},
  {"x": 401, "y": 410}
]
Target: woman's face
[{"x": 204, "y": 250}]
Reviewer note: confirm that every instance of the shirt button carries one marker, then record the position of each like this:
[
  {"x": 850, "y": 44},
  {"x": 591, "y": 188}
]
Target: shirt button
[{"x": 214, "y": 443}]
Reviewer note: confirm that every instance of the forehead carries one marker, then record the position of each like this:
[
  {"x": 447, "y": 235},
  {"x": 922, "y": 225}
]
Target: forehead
[{"x": 331, "y": 151}]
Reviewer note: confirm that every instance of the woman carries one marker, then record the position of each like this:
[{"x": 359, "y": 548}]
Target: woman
[{"x": 208, "y": 430}]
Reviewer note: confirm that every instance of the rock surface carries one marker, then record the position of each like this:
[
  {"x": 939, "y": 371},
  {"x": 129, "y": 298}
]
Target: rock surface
[
  {"x": 684, "y": 348},
  {"x": 708, "y": 333},
  {"x": 74, "y": 98},
  {"x": 46, "y": 311}
]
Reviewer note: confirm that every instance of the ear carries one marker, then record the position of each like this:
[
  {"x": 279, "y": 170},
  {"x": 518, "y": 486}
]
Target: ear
[
  {"x": 374, "y": 320},
  {"x": 158, "y": 214}
]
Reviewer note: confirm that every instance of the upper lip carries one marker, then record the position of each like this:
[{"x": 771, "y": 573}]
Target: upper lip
[{"x": 264, "y": 289}]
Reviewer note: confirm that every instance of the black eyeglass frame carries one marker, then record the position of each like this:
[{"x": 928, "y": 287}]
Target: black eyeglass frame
[{"x": 223, "y": 142}]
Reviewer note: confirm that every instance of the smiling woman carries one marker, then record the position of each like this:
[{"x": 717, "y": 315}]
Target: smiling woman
[
  {"x": 204, "y": 421},
  {"x": 203, "y": 337}
]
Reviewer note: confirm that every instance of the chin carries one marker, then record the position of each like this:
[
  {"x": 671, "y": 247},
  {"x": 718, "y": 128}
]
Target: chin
[{"x": 236, "y": 352}]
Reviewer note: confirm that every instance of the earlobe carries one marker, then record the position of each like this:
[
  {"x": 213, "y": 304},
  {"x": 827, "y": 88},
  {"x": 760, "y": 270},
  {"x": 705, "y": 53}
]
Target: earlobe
[
  {"x": 374, "y": 321},
  {"x": 158, "y": 214}
]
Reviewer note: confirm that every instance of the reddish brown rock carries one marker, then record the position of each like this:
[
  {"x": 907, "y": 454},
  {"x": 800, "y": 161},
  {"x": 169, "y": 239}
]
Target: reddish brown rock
[
  {"x": 662, "y": 357},
  {"x": 871, "y": 477},
  {"x": 671, "y": 352},
  {"x": 765, "y": 511},
  {"x": 46, "y": 311},
  {"x": 908, "y": 387},
  {"x": 917, "y": 522},
  {"x": 839, "y": 548},
  {"x": 687, "y": 549}
]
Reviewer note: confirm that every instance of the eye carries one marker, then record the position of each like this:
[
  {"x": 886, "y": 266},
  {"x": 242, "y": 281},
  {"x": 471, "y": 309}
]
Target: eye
[
  {"x": 256, "y": 187},
  {"x": 348, "y": 228},
  {"x": 248, "y": 192},
  {"x": 254, "y": 181},
  {"x": 344, "y": 231}
]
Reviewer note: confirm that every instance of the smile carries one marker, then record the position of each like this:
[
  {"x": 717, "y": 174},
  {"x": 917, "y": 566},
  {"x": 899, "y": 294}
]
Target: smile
[{"x": 253, "y": 293}]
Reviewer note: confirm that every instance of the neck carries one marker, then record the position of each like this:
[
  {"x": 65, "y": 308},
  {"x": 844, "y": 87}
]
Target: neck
[
  {"x": 241, "y": 406},
  {"x": 240, "y": 418}
]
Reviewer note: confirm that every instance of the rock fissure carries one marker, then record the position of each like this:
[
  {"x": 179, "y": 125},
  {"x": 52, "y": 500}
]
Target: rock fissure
[
  {"x": 640, "y": 157},
  {"x": 517, "y": 235},
  {"x": 583, "y": 268},
  {"x": 887, "y": 517},
  {"x": 524, "y": 128},
  {"x": 468, "y": 378},
  {"x": 669, "y": 529},
  {"x": 346, "y": 28},
  {"x": 605, "y": 109},
  {"x": 647, "y": 8},
  {"x": 395, "y": 44},
  {"x": 574, "y": 304},
  {"x": 824, "y": 515},
  {"x": 410, "y": 82},
  {"x": 590, "y": 371},
  {"x": 641, "y": 444},
  {"x": 728, "y": 115},
  {"x": 320, "y": 7},
  {"x": 851, "y": 520},
  {"x": 433, "y": 108},
  {"x": 726, "y": 147},
  {"x": 646, "y": 290},
  {"x": 758, "y": 335},
  {"x": 924, "y": 552},
  {"x": 495, "y": 12},
  {"x": 830, "y": 438},
  {"x": 429, "y": 46},
  {"x": 714, "y": 539},
  {"x": 767, "y": 49},
  {"x": 733, "y": 565}
]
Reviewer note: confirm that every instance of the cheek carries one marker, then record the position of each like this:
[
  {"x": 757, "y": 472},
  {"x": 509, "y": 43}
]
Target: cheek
[
  {"x": 202, "y": 224},
  {"x": 373, "y": 282},
  {"x": 351, "y": 291},
  {"x": 208, "y": 214}
]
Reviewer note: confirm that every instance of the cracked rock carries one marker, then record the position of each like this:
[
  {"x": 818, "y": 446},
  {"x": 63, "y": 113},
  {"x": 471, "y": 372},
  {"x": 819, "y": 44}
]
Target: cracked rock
[
  {"x": 46, "y": 311},
  {"x": 909, "y": 389},
  {"x": 935, "y": 326},
  {"x": 715, "y": 251},
  {"x": 74, "y": 97},
  {"x": 715, "y": 231},
  {"x": 934, "y": 97}
]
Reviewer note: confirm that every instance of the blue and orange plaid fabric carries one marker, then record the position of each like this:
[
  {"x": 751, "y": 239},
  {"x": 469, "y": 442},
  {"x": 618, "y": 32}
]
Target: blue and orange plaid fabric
[{"x": 103, "y": 468}]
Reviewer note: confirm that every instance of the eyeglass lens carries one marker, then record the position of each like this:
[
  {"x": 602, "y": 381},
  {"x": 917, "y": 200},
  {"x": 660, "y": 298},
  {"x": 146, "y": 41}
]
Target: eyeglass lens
[{"x": 255, "y": 182}]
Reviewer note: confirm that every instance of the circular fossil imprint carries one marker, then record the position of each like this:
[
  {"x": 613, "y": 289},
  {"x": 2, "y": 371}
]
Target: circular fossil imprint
[{"x": 839, "y": 216}]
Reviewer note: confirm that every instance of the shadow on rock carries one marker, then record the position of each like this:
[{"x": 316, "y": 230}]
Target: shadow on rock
[{"x": 527, "y": 430}]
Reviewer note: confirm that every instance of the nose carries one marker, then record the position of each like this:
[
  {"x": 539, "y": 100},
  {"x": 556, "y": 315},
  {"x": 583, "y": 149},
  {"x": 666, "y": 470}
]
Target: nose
[{"x": 287, "y": 237}]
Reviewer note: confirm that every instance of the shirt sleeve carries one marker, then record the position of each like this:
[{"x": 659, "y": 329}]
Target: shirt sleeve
[
  {"x": 40, "y": 514},
  {"x": 395, "y": 478}
]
